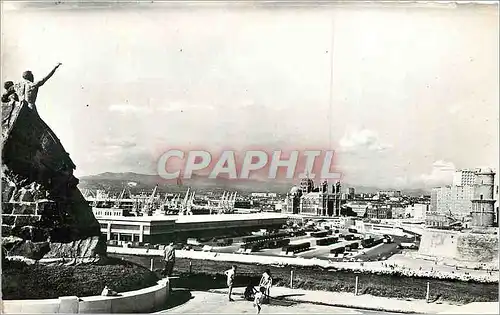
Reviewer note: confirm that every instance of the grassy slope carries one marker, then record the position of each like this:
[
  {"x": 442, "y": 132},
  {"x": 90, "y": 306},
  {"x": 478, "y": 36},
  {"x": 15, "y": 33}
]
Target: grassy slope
[{"x": 21, "y": 281}]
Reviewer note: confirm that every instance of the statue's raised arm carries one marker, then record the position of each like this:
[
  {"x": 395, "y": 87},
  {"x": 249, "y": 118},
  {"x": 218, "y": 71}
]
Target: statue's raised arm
[
  {"x": 48, "y": 76},
  {"x": 27, "y": 89}
]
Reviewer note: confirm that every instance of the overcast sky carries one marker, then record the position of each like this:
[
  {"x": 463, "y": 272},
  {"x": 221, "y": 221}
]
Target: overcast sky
[{"x": 415, "y": 91}]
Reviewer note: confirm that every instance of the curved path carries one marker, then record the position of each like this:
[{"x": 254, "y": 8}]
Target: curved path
[{"x": 216, "y": 303}]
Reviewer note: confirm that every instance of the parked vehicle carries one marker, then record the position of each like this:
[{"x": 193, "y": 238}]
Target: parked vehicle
[{"x": 296, "y": 248}]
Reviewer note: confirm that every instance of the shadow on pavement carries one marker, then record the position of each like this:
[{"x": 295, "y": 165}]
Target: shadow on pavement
[
  {"x": 203, "y": 282},
  {"x": 178, "y": 296},
  {"x": 281, "y": 301}
]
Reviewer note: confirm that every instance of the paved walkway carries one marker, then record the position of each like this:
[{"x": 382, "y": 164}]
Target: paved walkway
[
  {"x": 349, "y": 300},
  {"x": 214, "y": 303},
  {"x": 475, "y": 308}
]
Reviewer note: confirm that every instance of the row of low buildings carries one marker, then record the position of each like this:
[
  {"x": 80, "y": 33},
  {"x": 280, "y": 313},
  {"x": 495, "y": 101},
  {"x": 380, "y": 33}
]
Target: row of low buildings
[
  {"x": 263, "y": 195},
  {"x": 388, "y": 210}
]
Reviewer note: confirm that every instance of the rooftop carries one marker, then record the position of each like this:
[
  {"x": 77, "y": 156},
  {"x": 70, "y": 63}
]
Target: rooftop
[
  {"x": 227, "y": 217},
  {"x": 198, "y": 218}
]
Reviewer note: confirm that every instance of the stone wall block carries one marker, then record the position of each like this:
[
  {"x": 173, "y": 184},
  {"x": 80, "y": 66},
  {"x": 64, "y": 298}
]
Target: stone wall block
[
  {"x": 24, "y": 208},
  {"x": 8, "y": 219}
]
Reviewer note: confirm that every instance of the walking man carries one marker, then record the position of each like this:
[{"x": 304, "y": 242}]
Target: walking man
[
  {"x": 231, "y": 273},
  {"x": 27, "y": 89},
  {"x": 169, "y": 256}
]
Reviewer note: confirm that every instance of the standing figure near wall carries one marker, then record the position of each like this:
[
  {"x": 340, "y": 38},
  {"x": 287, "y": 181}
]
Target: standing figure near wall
[{"x": 169, "y": 256}]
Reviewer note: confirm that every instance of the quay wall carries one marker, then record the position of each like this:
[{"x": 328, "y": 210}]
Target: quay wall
[
  {"x": 462, "y": 247},
  {"x": 140, "y": 301}
]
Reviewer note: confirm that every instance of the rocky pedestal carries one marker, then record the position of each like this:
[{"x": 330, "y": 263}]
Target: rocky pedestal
[{"x": 43, "y": 212}]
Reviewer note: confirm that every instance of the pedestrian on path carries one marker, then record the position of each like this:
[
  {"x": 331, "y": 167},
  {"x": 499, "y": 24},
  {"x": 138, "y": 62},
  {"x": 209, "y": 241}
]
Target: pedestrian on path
[
  {"x": 230, "y": 274},
  {"x": 169, "y": 256},
  {"x": 259, "y": 299}
]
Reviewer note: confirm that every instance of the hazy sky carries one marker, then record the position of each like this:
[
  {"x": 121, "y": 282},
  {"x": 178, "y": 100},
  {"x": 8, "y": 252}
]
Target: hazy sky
[{"x": 415, "y": 90}]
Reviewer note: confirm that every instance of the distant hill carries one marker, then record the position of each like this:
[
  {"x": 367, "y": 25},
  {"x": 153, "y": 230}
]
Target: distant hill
[{"x": 116, "y": 181}]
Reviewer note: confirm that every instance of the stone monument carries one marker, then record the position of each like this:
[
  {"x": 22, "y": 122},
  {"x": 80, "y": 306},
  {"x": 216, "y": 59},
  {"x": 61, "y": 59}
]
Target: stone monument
[{"x": 44, "y": 214}]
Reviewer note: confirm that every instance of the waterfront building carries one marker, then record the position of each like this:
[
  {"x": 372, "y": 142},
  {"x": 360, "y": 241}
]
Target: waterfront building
[
  {"x": 379, "y": 228},
  {"x": 167, "y": 228}
]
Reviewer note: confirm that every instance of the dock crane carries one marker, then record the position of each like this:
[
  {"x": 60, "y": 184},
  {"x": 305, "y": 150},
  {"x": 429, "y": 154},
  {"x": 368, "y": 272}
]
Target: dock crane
[
  {"x": 147, "y": 209},
  {"x": 184, "y": 204}
]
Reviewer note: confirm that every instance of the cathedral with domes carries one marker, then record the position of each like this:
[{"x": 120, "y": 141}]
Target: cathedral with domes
[{"x": 307, "y": 199}]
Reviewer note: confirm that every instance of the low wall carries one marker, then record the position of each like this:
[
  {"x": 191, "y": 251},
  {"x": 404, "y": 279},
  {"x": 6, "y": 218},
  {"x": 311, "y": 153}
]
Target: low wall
[
  {"x": 371, "y": 229},
  {"x": 140, "y": 301},
  {"x": 442, "y": 243},
  {"x": 471, "y": 247}
]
